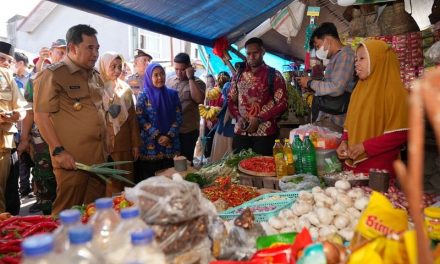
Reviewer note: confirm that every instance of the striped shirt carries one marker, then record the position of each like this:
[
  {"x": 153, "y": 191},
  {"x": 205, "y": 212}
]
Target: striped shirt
[{"x": 338, "y": 78}]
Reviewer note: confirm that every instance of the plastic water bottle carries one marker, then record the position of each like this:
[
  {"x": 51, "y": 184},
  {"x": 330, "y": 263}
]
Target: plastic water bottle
[
  {"x": 104, "y": 222},
  {"x": 68, "y": 218},
  {"x": 309, "y": 157},
  {"x": 297, "y": 154},
  {"x": 81, "y": 249},
  {"x": 278, "y": 155},
  {"x": 120, "y": 242},
  {"x": 38, "y": 249},
  {"x": 143, "y": 249}
]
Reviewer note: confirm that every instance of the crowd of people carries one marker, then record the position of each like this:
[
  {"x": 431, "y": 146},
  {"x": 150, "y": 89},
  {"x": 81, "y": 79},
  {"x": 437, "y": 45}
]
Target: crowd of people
[{"x": 70, "y": 110}]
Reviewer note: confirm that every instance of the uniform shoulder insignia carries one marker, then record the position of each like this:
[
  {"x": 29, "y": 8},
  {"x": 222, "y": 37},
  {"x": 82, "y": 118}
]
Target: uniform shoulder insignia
[{"x": 55, "y": 66}]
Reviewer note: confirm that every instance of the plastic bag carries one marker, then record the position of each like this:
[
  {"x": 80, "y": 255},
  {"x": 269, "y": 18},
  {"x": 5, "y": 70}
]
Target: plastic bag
[
  {"x": 379, "y": 218},
  {"x": 322, "y": 137},
  {"x": 298, "y": 182},
  {"x": 240, "y": 243},
  {"x": 201, "y": 253},
  {"x": 397, "y": 249},
  {"x": 433, "y": 53},
  {"x": 165, "y": 201},
  {"x": 175, "y": 210}
]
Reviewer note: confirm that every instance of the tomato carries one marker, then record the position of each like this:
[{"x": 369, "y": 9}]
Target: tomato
[
  {"x": 91, "y": 211},
  {"x": 123, "y": 204},
  {"x": 117, "y": 199}
]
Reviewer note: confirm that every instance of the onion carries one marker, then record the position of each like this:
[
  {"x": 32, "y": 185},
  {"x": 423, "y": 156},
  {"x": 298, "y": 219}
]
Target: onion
[{"x": 331, "y": 252}]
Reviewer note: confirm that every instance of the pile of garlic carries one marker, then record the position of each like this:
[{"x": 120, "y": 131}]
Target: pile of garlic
[{"x": 334, "y": 210}]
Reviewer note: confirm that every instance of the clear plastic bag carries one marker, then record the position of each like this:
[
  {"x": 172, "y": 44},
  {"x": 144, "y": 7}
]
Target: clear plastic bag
[
  {"x": 433, "y": 53},
  {"x": 298, "y": 182},
  {"x": 165, "y": 201},
  {"x": 176, "y": 211},
  {"x": 240, "y": 243}
]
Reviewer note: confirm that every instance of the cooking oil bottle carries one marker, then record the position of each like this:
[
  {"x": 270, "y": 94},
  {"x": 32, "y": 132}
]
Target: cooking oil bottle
[
  {"x": 278, "y": 155},
  {"x": 288, "y": 157}
]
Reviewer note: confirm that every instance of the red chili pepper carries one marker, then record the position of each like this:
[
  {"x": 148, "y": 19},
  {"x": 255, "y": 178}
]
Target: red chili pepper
[
  {"x": 35, "y": 218},
  {"x": 9, "y": 249},
  {"x": 11, "y": 242},
  {"x": 48, "y": 226},
  {"x": 10, "y": 260},
  {"x": 8, "y": 221}
]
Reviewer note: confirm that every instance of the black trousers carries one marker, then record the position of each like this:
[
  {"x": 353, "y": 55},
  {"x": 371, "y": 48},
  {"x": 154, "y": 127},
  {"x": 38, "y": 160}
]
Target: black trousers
[
  {"x": 260, "y": 145},
  {"x": 188, "y": 144},
  {"x": 25, "y": 164},
  {"x": 11, "y": 193},
  {"x": 148, "y": 168}
]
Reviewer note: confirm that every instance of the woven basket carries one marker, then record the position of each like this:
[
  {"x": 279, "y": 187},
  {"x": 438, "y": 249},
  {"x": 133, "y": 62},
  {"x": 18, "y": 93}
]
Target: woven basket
[
  {"x": 357, "y": 25},
  {"x": 396, "y": 21}
]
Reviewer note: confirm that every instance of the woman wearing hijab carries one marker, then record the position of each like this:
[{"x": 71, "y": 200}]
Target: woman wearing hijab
[
  {"x": 122, "y": 124},
  {"x": 160, "y": 115},
  {"x": 377, "y": 119}
]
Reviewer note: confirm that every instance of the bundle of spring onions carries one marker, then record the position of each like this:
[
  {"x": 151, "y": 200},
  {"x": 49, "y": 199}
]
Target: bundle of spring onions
[{"x": 105, "y": 170}]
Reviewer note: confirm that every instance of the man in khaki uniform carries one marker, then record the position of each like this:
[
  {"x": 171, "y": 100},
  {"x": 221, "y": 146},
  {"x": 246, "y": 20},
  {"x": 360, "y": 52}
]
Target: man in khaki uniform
[
  {"x": 68, "y": 111},
  {"x": 12, "y": 110},
  {"x": 191, "y": 93},
  {"x": 136, "y": 80}
]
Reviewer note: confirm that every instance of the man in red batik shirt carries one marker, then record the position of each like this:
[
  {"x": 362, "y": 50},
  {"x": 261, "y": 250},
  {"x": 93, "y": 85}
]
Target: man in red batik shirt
[{"x": 258, "y": 96}]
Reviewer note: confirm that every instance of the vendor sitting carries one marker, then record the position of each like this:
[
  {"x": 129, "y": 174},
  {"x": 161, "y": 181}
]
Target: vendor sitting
[{"x": 377, "y": 119}]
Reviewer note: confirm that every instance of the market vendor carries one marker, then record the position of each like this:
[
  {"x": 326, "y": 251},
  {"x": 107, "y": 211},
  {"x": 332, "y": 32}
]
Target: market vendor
[
  {"x": 11, "y": 111},
  {"x": 377, "y": 118},
  {"x": 69, "y": 113}
]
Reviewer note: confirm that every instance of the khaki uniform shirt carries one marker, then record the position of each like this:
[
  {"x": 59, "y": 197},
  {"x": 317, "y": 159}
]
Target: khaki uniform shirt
[
  {"x": 10, "y": 100},
  {"x": 190, "y": 109},
  {"x": 82, "y": 133},
  {"x": 136, "y": 83}
]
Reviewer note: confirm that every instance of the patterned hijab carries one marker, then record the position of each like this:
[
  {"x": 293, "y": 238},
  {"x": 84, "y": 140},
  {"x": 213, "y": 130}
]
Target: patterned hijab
[
  {"x": 160, "y": 99},
  {"x": 378, "y": 104},
  {"x": 116, "y": 93}
]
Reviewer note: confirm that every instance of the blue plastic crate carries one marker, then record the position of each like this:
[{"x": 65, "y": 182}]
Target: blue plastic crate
[{"x": 232, "y": 213}]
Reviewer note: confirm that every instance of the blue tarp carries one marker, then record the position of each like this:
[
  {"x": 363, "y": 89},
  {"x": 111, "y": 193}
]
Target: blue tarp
[
  {"x": 217, "y": 65},
  {"x": 198, "y": 21}
]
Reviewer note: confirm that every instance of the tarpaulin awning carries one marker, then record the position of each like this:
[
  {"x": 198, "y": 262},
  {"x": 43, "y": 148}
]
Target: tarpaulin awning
[{"x": 198, "y": 21}]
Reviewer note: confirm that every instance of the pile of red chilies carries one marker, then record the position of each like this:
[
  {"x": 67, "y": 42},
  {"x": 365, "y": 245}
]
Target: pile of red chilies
[{"x": 15, "y": 229}]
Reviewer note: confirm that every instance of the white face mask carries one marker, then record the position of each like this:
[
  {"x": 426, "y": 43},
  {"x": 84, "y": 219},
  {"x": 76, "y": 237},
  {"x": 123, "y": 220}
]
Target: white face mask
[{"x": 321, "y": 53}]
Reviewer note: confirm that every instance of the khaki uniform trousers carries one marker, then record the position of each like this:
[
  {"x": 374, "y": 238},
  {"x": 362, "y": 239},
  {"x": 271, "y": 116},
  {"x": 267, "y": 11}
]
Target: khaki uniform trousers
[
  {"x": 76, "y": 187},
  {"x": 5, "y": 166}
]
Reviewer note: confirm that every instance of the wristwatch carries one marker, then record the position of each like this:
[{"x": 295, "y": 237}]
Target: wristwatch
[
  {"x": 192, "y": 78},
  {"x": 57, "y": 150}
]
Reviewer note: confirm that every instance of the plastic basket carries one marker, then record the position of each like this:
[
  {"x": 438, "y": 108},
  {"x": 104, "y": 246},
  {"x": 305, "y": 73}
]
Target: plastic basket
[
  {"x": 232, "y": 213},
  {"x": 290, "y": 197}
]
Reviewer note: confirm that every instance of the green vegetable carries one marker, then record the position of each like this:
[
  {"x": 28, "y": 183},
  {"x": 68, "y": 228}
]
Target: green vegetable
[
  {"x": 297, "y": 180},
  {"x": 104, "y": 171},
  {"x": 196, "y": 178}
]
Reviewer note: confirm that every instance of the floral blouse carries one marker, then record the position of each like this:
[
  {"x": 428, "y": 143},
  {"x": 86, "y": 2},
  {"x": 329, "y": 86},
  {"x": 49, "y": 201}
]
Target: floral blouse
[{"x": 150, "y": 149}]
